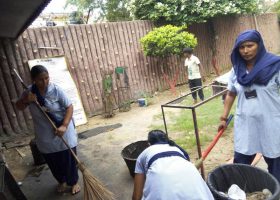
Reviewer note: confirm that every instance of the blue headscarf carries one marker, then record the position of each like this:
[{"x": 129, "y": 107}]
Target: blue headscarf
[{"x": 266, "y": 64}]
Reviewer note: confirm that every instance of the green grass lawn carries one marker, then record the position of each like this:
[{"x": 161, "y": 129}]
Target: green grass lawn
[{"x": 180, "y": 122}]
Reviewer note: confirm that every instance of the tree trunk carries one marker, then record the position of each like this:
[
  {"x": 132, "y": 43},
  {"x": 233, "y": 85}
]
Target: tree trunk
[{"x": 88, "y": 14}]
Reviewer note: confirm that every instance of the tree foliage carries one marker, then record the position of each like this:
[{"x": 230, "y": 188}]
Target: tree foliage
[
  {"x": 188, "y": 11},
  {"x": 167, "y": 40},
  {"x": 111, "y": 10},
  {"x": 276, "y": 8},
  {"x": 117, "y": 10},
  {"x": 76, "y": 17}
]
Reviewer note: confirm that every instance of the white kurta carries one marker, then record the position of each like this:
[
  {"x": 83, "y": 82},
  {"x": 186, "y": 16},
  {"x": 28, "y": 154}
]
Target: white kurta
[
  {"x": 170, "y": 177},
  {"x": 257, "y": 120}
]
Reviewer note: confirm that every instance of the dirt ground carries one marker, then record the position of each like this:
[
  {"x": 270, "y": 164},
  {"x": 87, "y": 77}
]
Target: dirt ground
[{"x": 102, "y": 153}]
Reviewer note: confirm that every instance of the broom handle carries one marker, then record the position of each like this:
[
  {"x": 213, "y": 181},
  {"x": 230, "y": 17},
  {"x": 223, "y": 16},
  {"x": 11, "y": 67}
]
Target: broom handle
[
  {"x": 212, "y": 144},
  {"x": 49, "y": 119}
]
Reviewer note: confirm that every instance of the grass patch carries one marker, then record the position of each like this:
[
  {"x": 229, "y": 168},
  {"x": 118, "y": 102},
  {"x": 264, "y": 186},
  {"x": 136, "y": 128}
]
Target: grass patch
[
  {"x": 182, "y": 121},
  {"x": 189, "y": 142}
]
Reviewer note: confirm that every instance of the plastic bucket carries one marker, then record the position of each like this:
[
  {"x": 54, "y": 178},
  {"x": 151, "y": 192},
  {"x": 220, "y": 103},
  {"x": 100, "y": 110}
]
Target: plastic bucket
[
  {"x": 248, "y": 178},
  {"x": 37, "y": 156},
  {"x": 142, "y": 102},
  {"x": 131, "y": 152}
]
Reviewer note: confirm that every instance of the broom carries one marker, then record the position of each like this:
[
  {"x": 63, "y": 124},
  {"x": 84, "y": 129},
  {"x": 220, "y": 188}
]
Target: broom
[
  {"x": 93, "y": 188},
  {"x": 205, "y": 153}
]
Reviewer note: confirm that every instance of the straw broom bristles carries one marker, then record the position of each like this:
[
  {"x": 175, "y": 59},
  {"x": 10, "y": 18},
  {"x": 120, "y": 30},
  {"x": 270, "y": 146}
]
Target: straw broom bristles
[{"x": 93, "y": 188}]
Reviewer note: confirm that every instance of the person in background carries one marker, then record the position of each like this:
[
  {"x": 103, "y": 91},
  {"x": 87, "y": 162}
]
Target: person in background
[
  {"x": 60, "y": 110},
  {"x": 163, "y": 171},
  {"x": 255, "y": 81},
  {"x": 194, "y": 68}
]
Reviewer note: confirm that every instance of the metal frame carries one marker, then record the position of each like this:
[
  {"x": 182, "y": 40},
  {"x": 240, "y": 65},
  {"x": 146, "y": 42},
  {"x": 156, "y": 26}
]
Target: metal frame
[{"x": 193, "y": 108}]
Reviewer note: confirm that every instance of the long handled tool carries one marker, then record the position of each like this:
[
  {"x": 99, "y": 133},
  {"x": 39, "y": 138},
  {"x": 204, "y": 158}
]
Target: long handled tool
[
  {"x": 93, "y": 188},
  {"x": 212, "y": 144}
]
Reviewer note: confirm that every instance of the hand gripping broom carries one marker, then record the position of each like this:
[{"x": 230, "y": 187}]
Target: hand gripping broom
[
  {"x": 205, "y": 153},
  {"x": 93, "y": 188}
]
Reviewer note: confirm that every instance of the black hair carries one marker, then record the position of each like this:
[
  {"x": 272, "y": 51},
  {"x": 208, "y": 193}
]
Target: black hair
[
  {"x": 36, "y": 70},
  {"x": 188, "y": 50},
  {"x": 158, "y": 136}
]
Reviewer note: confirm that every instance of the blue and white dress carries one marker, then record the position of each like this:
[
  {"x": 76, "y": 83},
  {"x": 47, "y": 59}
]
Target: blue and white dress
[
  {"x": 257, "y": 120},
  {"x": 56, "y": 102},
  {"x": 170, "y": 177}
]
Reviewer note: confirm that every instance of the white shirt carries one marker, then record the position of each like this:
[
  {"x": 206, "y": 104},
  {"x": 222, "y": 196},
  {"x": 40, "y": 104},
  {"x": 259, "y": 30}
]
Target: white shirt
[
  {"x": 170, "y": 177},
  {"x": 257, "y": 120},
  {"x": 193, "y": 67}
]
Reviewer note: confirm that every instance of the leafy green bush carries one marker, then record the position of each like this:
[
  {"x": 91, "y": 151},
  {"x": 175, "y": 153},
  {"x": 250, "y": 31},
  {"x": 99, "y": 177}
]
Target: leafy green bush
[
  {"x": 180, "y": 12},
  {"x": 167, "y": 40}
]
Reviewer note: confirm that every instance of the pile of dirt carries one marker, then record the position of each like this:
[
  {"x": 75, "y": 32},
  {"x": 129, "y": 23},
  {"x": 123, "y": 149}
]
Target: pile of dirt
[{"x": 256, "y": 196}]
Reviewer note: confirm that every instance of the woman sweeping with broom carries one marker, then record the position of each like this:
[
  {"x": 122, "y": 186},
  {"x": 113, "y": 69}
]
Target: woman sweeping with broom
[
  {"x": 60, "y": 110},
  {"x": 56, "y": 136}
]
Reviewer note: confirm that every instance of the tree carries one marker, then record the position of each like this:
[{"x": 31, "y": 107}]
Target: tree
[
  {"x": 266, "y": 6},
  {"x": 166, "y": 41},
  {"x": 182, "y": 12},
  {"x": 111, "y": 10},
  {"x": 76, "y": 17},
  {"x": 276, "y": 8},
  {"x": 117, "y": 10},
  {"x": 89, "y": 6}
]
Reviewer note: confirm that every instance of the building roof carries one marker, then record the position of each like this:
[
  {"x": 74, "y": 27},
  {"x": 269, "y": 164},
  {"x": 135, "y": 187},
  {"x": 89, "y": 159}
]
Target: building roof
[{"x": 17, "y": 15}]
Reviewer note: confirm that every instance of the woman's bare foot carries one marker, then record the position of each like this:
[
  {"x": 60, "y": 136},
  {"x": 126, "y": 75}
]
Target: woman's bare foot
[
  {"x": 62, "y": 187},
  {"x": 76, "y": 189}
]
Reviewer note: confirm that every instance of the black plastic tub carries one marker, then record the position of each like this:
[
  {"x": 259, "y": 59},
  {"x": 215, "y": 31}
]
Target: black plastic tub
[
  {"x": 248, "y": 178},
  {"x": 131, "y": 152}
]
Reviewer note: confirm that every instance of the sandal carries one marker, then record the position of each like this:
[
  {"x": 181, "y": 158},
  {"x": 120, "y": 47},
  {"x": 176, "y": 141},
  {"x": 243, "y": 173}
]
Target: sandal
[
  {"x": 76, "y": 189},
  {"x": 61, "y": 188}
]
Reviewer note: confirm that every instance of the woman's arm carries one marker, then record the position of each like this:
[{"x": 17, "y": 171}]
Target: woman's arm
[
  {"x": 227, "y": 107},
  {"x": 26, "y": 98},
  {"x": 67, "y": 118},
  {"x": 139, "y": 181}
]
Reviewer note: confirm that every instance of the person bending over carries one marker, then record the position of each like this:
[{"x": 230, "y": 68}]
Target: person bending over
[{"x": 163, "y": 172}]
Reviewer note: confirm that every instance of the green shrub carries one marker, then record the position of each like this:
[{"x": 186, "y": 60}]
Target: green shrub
[{"x": 167, "y": 40}]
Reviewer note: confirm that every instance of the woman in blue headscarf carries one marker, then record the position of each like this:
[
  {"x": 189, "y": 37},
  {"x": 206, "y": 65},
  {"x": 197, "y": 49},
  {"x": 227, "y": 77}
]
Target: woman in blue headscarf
[{"x": 255, "y": 81}]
